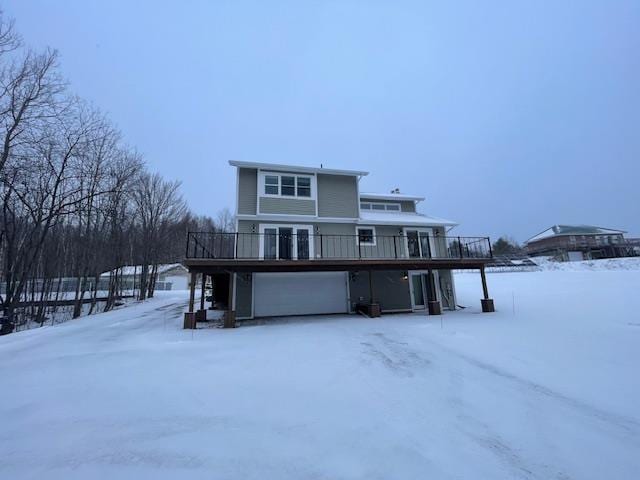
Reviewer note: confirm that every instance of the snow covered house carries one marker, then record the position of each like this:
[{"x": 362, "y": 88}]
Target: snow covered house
[
  {"x": 307, "y": 241},
  {"x": 171, "y": 276},
  {"x": 579, "y": 242}
]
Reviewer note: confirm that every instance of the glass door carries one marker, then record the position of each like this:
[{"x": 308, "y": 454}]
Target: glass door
[
  {"x": 417, "y": 291},
  {"x": 285, "y": 243},
  {"x": 419, "y": 243}
]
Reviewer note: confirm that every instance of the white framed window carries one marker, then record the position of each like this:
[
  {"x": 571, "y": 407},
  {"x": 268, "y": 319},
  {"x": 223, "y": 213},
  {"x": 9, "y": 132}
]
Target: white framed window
[
  {"x": 366, "y": 236},
  {"x": 380, "y": 207},
  {"x": 272, "y": 184},
  {"x": 304, "y": 186}
]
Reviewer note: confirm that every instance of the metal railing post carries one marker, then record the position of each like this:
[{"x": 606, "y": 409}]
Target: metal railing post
[
  {"x": 235, "y": 255},
  {"x": 395, "y": 247},
  {"x": 490, "y": 249},
  {"x": 460, "y": 247},
  {"x": 429, "y": 246},
  {"x": 321, "y": 247}
]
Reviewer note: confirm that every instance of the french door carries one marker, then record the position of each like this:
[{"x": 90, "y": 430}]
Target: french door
[
  {"x": 419, "y": 243},
  {"x": 286, "y": 242}
]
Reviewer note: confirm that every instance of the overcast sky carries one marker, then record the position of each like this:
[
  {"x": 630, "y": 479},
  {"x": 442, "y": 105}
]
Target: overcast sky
[{"x": 508, "y": 118}]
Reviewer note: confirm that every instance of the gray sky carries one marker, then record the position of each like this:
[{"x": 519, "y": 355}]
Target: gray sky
[{"x": 508, "y": 118}]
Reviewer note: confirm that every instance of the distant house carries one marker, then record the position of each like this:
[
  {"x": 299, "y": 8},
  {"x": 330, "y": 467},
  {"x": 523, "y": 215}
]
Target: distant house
[
  {"x": 171, "y": 276},
  {"x": 580, "y": 242}
]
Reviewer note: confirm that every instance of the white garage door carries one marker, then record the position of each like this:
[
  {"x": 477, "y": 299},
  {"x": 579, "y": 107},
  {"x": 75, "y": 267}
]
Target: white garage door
[{"x": 277, "y": 294}]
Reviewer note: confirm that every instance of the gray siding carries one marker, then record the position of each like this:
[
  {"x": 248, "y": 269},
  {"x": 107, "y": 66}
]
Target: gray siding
[
  {"x": 243, "y": 295},
  {"x": 287, "y": 206},
  {"x": 408, "y": 206},
  {"x": 390, "y": 288},
  {"x": 447, "y": 289},
  {"x": 247, "y": 191},
  {"x": 337, "y": 196}
]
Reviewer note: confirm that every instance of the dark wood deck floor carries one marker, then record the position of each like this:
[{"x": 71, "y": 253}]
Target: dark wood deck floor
[{"x": 210, "y": 266}]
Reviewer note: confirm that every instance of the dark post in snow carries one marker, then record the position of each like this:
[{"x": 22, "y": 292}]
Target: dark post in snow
[
  {"x": 487, "y": 303},
  {"x": 433, "y": 305},
  {"x": 190, "y": 316}
]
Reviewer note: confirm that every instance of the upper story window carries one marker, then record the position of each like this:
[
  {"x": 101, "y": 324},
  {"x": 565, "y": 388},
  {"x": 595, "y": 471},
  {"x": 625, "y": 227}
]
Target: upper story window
[
  {"x": 286, "y": 185},
  {"x": 380, "y": 207},
  {"x": 271, "y": 183}
]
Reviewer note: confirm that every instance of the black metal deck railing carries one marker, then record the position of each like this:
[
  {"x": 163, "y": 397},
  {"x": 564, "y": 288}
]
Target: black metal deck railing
[{"x": 305, "y": 245}]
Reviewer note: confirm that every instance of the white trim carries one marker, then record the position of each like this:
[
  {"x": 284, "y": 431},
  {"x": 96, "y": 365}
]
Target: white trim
[
  {"x": 366, "y": 227},
  {"x": 294, "y": 168},
  {"x": 425, "y": 295},
  {"x": 295, "y": 228},
  {"x": 313, "y": 185},
  {"x": 237, "y": 191},
  {"x": 390, "y": 196},
  {"x": 418, "y": 229},
  {"x": 383, "y": 210},
  {"x": 279, "y": 217}
]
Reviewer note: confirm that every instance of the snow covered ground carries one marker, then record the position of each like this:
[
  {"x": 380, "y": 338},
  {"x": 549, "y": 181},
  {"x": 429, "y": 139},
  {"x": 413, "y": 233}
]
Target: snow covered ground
[{"x": 545, "y": 388}]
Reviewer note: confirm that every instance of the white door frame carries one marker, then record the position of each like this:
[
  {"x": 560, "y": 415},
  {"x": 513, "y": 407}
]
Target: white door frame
[
  {"x": 425, "y": 296},
  {"x": 429, "y": 230},
  {"x": 295, "y": 227}
]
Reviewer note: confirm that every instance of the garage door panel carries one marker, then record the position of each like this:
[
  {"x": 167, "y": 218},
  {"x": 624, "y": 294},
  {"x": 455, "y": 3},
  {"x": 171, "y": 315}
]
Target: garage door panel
[{"x": 280, "y": 294}]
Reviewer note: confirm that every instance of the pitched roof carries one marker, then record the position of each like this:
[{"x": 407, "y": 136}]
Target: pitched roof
[
  {"x": 130, "y": 269},
  {"x": 390, "y": 196},
  {"x": 402, "y": 218},
  {"x": 563, "y": 230},
  {"x": 295, "y": 168}
]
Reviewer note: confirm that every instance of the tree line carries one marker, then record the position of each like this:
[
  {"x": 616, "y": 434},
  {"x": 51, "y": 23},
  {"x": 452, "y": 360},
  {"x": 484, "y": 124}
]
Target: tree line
[{"x": 75, "y": 200}]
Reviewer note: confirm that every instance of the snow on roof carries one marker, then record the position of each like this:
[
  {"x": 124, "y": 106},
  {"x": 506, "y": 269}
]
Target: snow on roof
[
  {"x": 295, "y": 168},
  {"x": 390, "y": 196},
  {"x": 137, "y": 269},
  {"x": 402, "y": 218},
  {"x": 563, "y": 230}
]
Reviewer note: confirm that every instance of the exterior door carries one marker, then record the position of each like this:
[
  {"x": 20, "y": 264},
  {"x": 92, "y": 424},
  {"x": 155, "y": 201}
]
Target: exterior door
[
  {"x": 286, "y": 242},
  {"x": 419, "y": 243},
  {"x": 418, "y": 294},
  {"x": 420, "y": 289}
]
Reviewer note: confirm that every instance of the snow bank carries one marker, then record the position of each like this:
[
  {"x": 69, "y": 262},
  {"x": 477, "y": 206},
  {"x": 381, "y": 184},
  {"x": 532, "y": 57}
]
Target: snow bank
[
  {"x": 630, "y": 263},
  {"x": 546, "y": 387}
]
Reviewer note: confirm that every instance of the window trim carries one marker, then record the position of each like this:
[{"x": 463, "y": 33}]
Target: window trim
[
  {"x": 262, "y": 174},
  {"x": 383, "y": 210},
  {"x": 373, "y": 232}
]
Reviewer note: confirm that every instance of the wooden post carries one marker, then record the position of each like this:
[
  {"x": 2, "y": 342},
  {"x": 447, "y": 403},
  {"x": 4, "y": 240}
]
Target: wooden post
[
  {"x": 487, "y": 303},
  {"x": 192, "y": 291},
  {"x": 433, "y": 305},
  {"x": 203, "y": 279},
  {"x": 213, "y": 292},
  {"x": 230, "y": 315},
  {"x": 190, "y": 316},
  {"x": 374, "y": 307}
]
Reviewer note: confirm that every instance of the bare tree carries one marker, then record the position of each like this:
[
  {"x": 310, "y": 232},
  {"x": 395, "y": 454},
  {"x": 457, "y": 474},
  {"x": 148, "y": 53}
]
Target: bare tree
[{"x": 159, "y": 204}]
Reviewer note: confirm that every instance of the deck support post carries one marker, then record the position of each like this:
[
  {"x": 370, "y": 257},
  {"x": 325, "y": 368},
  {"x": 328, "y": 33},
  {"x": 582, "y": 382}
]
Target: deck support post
[
  {"x": 230, "y": 314},
  {"x": 433, "y": 305},
  {"x": 190, "y": 316},
  {"x": 374, "y": 307},
  {"x": 487, "y": 303},
  {"x": 203, "y": 279}
]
